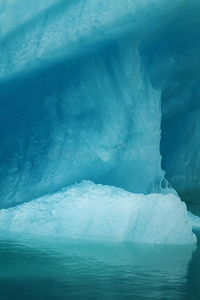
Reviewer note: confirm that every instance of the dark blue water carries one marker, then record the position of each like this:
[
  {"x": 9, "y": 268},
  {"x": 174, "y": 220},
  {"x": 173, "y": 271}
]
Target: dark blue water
[{"x": 51, "y": 269}]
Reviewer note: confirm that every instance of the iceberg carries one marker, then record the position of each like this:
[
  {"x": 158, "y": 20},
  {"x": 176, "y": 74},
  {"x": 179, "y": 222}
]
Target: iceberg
[
  {"x": 107, "y": 92},
  {"x": 103, "y": 213},
  {"x": 89, "y": 91}
]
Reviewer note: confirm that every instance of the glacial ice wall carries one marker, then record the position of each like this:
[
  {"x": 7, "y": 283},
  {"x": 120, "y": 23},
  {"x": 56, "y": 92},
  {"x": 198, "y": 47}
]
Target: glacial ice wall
[
  {"x": 101, "y": 123},
  {"x": 84, "y": 86},
  {"x": 94, "y": 117}
]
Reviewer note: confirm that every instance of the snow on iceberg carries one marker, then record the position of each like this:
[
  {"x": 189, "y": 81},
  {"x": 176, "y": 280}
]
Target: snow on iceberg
[{"x": 104, "y": 213}]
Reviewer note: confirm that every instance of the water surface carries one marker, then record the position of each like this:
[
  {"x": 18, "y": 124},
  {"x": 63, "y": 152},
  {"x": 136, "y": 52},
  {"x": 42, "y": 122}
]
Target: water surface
[{"x": 51, "y": 269}]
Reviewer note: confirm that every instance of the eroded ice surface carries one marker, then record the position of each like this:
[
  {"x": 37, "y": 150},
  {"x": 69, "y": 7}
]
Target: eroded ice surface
[{"x": 105, "y": 213}]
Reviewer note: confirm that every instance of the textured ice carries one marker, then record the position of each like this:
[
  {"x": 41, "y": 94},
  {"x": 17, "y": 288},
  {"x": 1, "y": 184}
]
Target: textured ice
[
  {"x": 105, "y": 213},
  {"x": 70, "y": 28},
  {"x": 15, "y": 12}
]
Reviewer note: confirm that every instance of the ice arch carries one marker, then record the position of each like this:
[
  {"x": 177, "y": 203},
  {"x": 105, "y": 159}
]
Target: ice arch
[{"x": 79, "y": 77}]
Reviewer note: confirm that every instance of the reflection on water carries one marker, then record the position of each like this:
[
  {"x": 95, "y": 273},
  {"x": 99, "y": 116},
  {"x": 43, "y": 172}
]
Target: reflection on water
[{"x": 58, "y": 269}]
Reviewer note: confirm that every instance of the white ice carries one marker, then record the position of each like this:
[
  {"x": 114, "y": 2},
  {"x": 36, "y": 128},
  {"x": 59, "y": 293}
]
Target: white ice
[{"x": 103, "y": 213}]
